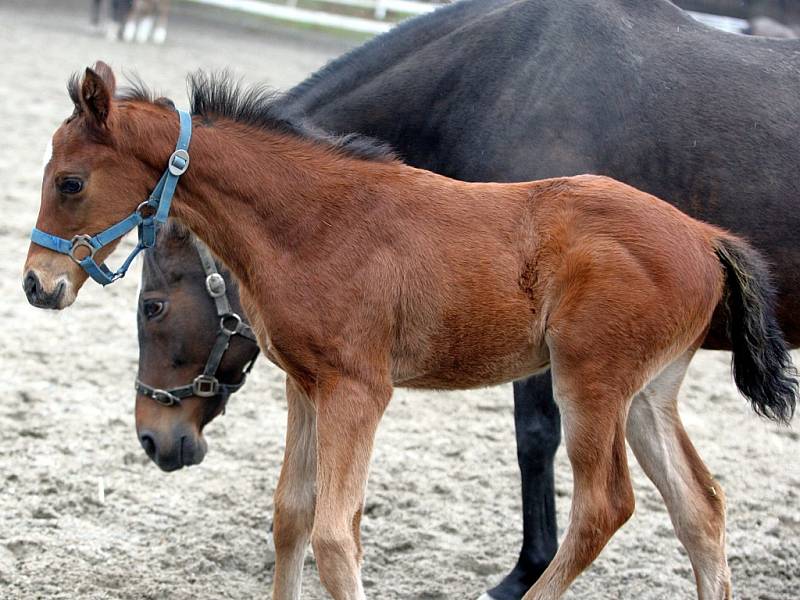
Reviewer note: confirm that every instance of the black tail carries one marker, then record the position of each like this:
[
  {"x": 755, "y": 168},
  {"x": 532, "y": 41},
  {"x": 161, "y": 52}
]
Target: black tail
[{"x": 762, "y": 366}]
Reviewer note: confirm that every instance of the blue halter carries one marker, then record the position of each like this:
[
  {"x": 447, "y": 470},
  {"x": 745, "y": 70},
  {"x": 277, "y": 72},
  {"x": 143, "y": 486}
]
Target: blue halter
[{"x": 147, "y": 217}]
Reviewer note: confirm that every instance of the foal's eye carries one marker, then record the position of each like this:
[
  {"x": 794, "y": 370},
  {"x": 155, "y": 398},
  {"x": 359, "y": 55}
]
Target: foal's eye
[
  {"x": 153, "y": 308},
  {"x": 70, "y": 185}
]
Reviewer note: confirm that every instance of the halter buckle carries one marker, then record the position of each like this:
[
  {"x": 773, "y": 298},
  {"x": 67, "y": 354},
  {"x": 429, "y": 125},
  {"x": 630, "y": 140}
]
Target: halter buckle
[
  {"x": 225, "y": 329},
  {"x": 81, "y": 241},
  {"x": 215, "y": 285},
  {"x": 164, "y": 398},
  {"x": 205, "y": 386},
  {"x": 178, "y": 162}
]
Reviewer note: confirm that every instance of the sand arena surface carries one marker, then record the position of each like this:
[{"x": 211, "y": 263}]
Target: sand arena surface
[{"x": 443, "y": 510}]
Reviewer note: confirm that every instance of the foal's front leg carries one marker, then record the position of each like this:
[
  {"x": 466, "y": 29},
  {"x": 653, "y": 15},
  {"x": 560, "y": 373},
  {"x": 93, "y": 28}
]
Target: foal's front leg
[
  {"x": 348, "y": 413},
  {"x": 294, "y": 495}
]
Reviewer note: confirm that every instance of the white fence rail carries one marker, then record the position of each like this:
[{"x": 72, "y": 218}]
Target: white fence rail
[
  {"x": 730, "y": 24},
  {"x": 290, "y": 12}
]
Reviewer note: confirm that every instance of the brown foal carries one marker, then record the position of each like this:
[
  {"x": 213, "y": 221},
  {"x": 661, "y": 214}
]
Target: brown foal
[{"x": 360, "y": 273}]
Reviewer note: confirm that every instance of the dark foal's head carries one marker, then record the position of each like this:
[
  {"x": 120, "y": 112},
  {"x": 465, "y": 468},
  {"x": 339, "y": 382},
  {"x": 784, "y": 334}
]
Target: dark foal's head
[{"x": 178, "y": 325}]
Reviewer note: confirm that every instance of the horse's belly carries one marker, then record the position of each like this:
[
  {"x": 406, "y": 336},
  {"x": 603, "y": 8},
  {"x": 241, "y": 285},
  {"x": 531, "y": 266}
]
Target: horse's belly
[
  {"x": 473, "y": 374},
  {"x": 472, "y": 362}
]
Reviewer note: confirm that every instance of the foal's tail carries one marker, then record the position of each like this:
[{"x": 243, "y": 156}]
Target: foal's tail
[{"x": 762, "y": 366}]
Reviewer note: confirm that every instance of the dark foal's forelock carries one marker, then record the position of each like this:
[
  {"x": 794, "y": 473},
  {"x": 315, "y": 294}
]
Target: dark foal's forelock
[{"x": 172, "y": 236}]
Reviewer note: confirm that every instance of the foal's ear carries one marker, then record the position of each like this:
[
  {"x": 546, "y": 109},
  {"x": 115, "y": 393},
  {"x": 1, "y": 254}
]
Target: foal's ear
[
  {"x": 97, "y": 90},
  {"x": 107, "y": 75}
]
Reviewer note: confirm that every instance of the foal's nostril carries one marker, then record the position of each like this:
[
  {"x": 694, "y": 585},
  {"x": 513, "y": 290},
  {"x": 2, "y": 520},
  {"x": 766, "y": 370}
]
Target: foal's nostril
[
  {"x": 32, "y": 286},
  {"x": 148, "y": 443}
]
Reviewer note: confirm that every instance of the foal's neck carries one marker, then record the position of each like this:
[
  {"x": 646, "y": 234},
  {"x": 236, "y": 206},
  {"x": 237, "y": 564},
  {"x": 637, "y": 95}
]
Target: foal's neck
[{"x": 250, "y": 190}]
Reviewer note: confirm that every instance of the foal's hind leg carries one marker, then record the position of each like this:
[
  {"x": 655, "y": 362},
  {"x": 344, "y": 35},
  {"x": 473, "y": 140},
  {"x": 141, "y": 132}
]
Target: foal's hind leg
[
  {"x": 295, "y": 495},
  {"x": 593, "y": 414},
  {"x": 695, "y": 501}
]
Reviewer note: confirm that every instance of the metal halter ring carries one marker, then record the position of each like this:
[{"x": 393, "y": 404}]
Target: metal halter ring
[
  {"x": 215, "y": 285},
  {"x": 205, "y": 386},
  {"x": 81, "y": 241},
  {"x": 233, "y": 316},
  {"x": 164, "y": 398},
  {"x": 178, "y": 162},
  {"x": 146, "y": 205}
]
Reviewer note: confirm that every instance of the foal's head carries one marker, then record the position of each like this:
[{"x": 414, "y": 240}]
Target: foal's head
[
  {"x": 178, "y": 326},
  {"x": 91, "y": 180}
]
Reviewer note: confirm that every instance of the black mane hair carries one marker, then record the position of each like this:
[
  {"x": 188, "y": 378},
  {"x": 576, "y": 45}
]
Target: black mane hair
[
  {"x": 220, "y": 95},
  {"x": 74, "y": 89},
  {"x": 215, "y": 95}
]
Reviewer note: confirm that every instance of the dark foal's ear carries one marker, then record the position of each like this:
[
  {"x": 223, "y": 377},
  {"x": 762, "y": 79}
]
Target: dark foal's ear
[{"x": 97, "y": 90}]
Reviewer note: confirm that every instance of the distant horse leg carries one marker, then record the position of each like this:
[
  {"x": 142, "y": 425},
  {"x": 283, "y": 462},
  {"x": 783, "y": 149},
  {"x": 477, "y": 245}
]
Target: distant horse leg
[
  {"x": 347, "y": 419},
  {"x": 538, "y": 428},
  {"x": 160, "y": 32},
  {"x": 593, "y": 414},
  {"x": 95, "y": 12},
  {"x": 294, "y": 495},
  {"x": 695, "y": 501},
  {"x": 119, "y": 11},
  {"x": 146, "y": 20},
  {"x": 130, "y": 20}
]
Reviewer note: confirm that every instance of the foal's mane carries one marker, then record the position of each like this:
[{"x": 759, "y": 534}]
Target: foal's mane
[{"x": 219, "y": 95}]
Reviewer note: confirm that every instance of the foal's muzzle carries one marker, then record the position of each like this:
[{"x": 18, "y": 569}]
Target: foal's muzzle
[
  {"x": 181, "y": 448},
  {"x": 37, "y": 295}
]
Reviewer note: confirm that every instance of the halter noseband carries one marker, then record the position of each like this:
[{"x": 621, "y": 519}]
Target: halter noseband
[
  {"x": 206, "y": 385},
  {"x": 147, "y": 217}
]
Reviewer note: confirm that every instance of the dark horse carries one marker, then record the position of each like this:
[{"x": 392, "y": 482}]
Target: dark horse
[{"x": 510, "y": 91}]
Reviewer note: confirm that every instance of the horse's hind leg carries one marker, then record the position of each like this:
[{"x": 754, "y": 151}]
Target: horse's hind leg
[
  {"x": 537, "y": 424},
  {"x": 695, "y": 501},
  {"x": 131, "y": 20},
  {"x": 295, "y": 495},
  {"x": 160, "y": 32},
  {"x": 146, "y": 21},
  {"x": 593, "y": 415}
]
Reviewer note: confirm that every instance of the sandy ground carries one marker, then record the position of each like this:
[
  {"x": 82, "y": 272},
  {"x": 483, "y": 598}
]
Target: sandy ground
[{"x": 443, "y": 515}]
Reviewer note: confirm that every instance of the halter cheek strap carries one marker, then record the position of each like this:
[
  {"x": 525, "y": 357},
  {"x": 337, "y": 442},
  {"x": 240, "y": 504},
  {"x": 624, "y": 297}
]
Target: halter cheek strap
[
  {"x": 206, "y": 384},
  {"x": 147, "y": 217}
]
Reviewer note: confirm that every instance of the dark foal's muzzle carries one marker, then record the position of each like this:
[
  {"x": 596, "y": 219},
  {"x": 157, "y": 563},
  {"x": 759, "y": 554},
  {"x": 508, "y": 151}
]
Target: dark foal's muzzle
[{"x": 180, "y": 448}]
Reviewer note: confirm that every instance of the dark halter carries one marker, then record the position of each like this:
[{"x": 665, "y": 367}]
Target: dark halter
[{"x": 206, "y": 385}]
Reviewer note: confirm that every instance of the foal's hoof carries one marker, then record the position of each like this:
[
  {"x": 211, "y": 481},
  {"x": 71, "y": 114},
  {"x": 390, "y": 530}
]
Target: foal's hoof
[{"x": 485, "y": 597}]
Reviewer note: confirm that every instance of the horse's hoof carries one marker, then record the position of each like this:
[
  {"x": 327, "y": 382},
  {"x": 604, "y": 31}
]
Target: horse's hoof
[
  {"x": 129, "y": 32},
  {"x": 486, "y": 596},
  {"x": 159, "y": 35}
]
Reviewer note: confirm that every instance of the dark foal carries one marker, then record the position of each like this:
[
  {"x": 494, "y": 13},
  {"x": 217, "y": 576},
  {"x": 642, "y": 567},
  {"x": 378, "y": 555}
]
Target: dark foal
[
  {"x": 179, "y": 326},
  {"x": 361, "y": 273},
  {"x": 501, "y": 90}
]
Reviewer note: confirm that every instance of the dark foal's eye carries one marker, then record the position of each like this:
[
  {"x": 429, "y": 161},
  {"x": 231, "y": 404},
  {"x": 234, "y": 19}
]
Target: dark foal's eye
[
  {"x": 70, "y": 185},
  {"x": 153, "y": 308}
]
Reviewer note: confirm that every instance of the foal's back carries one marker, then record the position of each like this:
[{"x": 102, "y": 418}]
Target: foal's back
[{"x": 501, "y": 263}]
